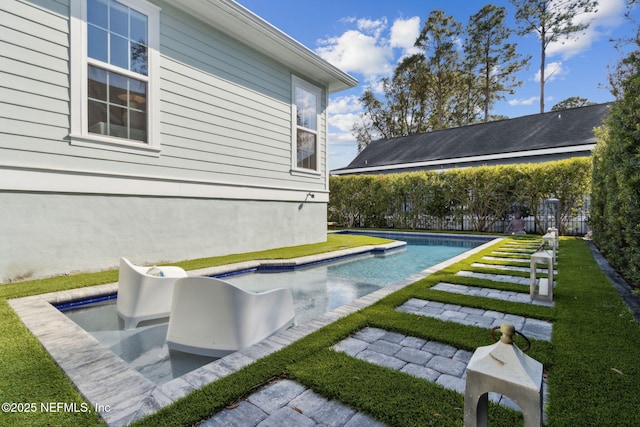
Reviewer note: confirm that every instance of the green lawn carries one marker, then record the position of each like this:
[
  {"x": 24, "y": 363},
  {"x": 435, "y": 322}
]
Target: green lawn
[{"x": 592, "y": 361}]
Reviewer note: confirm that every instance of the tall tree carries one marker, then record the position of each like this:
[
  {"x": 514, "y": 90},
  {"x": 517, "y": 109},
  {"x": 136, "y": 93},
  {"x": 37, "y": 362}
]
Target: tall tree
[
  {"x": 437, "y": 40},
  {"x": 404, "y": 110},
  {"x": 424, "y": 92},
  {"x": 490, "y": 57},
  {"x": 572, "y": 102},
  {"x": 552, "y": 21},
  {"x": 412, "y": 106}
]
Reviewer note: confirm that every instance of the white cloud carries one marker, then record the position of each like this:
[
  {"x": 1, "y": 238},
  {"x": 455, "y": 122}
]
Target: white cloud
[
  {"x": 368, "y": 49},
  {"x": 343, "y": 122},
  {"x": 371, "y": 48},
  {"x": 375, "y": 27},
  {"x": 552, "y": 71},
  {"x": 524, "y": 101},
  {"x": 403, "y": 34},
  {"x": 341, "y": 138},
  {"x": 344, "y": 104},
  {"x": 357, "y": 52},
  {"x": 608, "y": 16}
]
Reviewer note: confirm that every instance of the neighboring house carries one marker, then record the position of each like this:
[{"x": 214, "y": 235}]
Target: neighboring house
[
  {"x": 529, "y": 139},
  {"x": 155, "y": 130}
]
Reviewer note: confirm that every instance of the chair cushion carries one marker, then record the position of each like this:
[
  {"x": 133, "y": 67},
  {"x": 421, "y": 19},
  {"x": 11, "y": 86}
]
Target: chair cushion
[{"x": 155, "y": 271}]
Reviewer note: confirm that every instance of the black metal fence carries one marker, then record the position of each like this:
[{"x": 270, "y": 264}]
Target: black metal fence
[{"x": 576, "y": 225}]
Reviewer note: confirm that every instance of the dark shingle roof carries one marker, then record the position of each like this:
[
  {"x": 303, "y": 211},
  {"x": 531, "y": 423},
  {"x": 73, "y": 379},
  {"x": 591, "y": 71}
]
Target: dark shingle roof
[{"x": 555, "y": 129}]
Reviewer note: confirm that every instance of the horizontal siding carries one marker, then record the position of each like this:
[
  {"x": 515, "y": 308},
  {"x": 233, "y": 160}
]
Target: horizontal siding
[
  {"x": 27, "y": 85},
  {"x": 225, "y": 109},
  {"x": 230, "y": 108},
  {"x": 197, "y": 138},
  {"x": 32, "y": 50},
  {"x": 34, "y": 76},
  {"x": 39, "y": 137},
  {"x": 29, "y": 116},
  {"x": 223, "y": 103},
  {"x": 52, "y": 14},
  {"x": 19, "y": 67},
  {"x": 212, "y": 52}
]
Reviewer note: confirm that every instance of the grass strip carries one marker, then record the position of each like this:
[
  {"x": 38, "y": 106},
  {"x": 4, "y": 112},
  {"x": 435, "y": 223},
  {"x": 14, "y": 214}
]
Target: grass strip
[
  {"x": 596, "y": 374},
  {"x": 29, "y": 376},
  {"x": 395, "y": 398}
]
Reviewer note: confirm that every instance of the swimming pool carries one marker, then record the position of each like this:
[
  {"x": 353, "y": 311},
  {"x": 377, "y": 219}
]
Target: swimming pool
[
  {"x": 321, "y": 288},
  {"x": 316, "y": 289}
]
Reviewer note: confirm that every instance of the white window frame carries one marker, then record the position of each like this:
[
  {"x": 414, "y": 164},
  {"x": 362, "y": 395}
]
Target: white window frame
[
  {"x": 298, "y": 82},
  {"x": 80, "y": 134}
]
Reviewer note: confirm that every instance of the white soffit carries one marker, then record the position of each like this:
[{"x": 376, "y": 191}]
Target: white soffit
[{"x": 247, "y": 27}]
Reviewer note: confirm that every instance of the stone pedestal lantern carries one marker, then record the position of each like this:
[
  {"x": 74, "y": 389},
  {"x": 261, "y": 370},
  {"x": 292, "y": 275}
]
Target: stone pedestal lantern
[
  {"x": 552, "y": 239},
  {"x": 551, "y": 212},
  {"x": 503, "y": 368},
  {"x": 541, "y": 288}
]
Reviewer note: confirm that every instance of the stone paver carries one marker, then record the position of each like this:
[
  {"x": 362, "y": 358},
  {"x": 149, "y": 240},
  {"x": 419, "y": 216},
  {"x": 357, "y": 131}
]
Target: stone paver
[
  {"x": 429, "y": 360},
  {"x": 287, "y": 403},
  {"x": 516, "y": 249},
  {"x": 510, "y": 268},
  {"x": 501, "y": 259},
  {"x": 485, "y": 292},
  {"x": 532, "y": 328},
  {"x": 504, "y": 278}
]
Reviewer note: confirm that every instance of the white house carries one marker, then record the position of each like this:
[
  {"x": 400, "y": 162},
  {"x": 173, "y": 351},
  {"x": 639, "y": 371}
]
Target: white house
[{"x": 155, "y": 130}]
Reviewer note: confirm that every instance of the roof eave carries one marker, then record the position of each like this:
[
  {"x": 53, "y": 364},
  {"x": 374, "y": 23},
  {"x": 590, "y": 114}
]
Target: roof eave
[
  {"x": 247, "y": 27},
  {"x": 461, "y": 160}
]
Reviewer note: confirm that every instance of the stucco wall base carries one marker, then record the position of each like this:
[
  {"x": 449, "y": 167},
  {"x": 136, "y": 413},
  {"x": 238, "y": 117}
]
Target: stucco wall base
[{"x": 46, "y": 234}]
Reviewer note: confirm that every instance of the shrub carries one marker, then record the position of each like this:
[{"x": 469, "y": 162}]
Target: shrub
[
  {"x": 615, "y": 210},
  {"x": 437, "y": 201}
]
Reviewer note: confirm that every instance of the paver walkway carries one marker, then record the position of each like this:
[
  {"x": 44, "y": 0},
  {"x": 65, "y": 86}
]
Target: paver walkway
[
  {"x": 431, "y": 360},
  {"x": 490, "y": 293},
  {"x": 287, "y": 403},
  {"x": 504, "y": 278},
  {"x": 502, "y": 259},
  {"x": 533, "y": 328},
  {"x": 510, "y": 268}
]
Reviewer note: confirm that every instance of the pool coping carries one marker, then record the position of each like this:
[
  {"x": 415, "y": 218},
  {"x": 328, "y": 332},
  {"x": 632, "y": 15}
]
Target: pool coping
[{"x": 121, "y": 394}]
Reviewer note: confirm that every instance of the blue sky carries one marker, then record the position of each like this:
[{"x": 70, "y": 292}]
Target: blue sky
[{"x": 367, "y": 38}]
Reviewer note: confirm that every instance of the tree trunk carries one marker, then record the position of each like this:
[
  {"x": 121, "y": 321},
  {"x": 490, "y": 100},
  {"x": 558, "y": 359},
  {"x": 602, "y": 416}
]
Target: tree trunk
[{"x": 542, "y": 63}]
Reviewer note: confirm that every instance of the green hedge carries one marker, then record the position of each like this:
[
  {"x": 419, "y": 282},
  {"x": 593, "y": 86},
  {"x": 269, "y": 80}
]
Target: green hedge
[
  {"x": 615, "y": 211},
  {"x": 438, "y": 200}
]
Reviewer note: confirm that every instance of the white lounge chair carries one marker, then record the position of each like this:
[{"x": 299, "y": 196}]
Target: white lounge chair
[
  {"x": 214, "y": 318},
  {"x": 145, "y": 293}
]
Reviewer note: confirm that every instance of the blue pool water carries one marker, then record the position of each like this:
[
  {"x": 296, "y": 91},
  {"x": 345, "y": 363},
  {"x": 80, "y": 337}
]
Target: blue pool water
[
  {"x": 316, "y": 290},
  {"x": 322, "y": 288}
]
